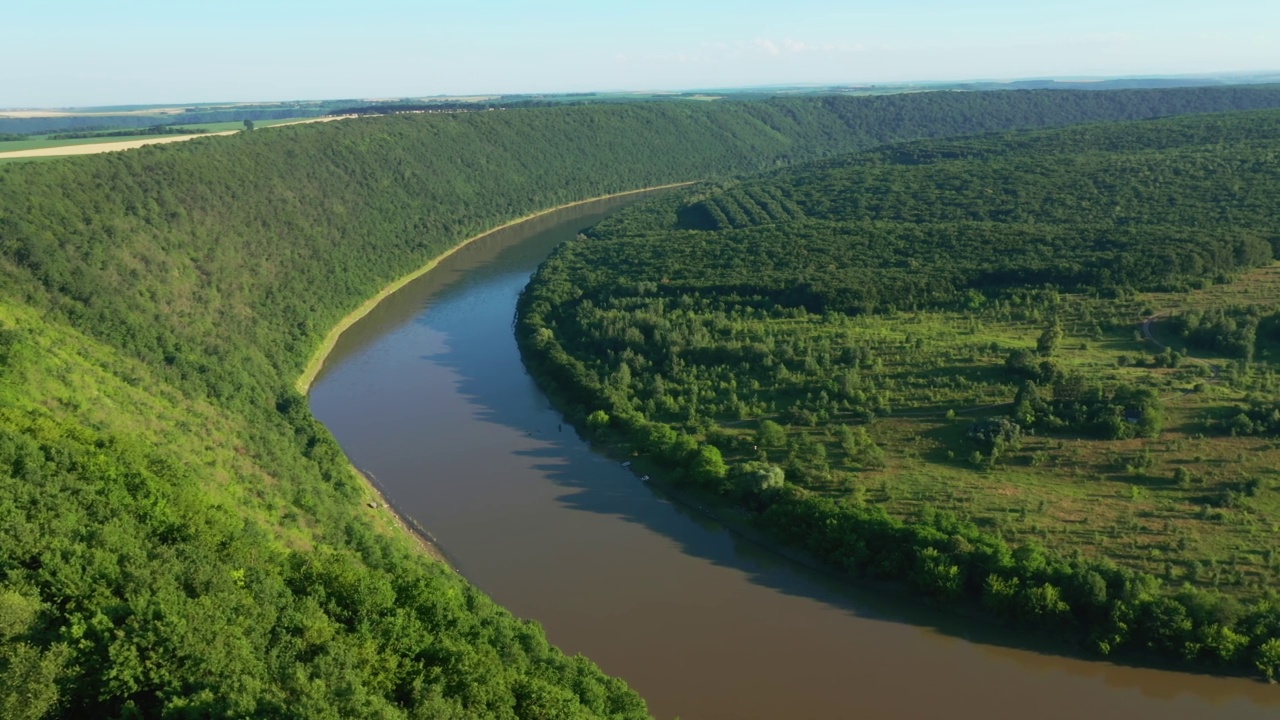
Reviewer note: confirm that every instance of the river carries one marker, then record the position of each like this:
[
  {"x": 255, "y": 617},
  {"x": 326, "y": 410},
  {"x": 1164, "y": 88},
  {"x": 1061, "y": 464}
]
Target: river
[{"x": 428, "y": 395}]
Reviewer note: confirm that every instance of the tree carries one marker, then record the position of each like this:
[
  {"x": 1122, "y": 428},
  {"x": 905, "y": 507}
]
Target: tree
[
  {"x": 656, "y": 437},
  {"x": 1027, "y": 405},
  {"x": 809, "y": 451},
  {"x": 598, "y": 420},
  {"x": 771, "y": 435},
  {"x": 994, "y": 434},
  {"x": 935, "y": 575},
  {"x": 1021, "y": 363},
  {"x": 1267, "y": 658},
  {"x": 871, "y": 456},
  {"x": 1049, "y": 340},
  {"x": 28, "y": 680},
  {"x": 1042, "y": 604},
  {"x": 851, "y": 440},
  {"x": 248, "y": 124},
  {"x": 755, "y": 477},
  {"x": 708, "y": 467}
]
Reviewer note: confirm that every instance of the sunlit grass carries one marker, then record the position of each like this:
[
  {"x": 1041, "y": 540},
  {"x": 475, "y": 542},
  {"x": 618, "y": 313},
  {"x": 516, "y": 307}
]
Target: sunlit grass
[{"x": 1118, "y": 499}]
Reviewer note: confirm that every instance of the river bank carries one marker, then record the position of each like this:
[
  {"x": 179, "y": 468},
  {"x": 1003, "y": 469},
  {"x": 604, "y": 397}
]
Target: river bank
[
  {"x": 316, "y": 363},
  {"x": 377, "y": 500}
]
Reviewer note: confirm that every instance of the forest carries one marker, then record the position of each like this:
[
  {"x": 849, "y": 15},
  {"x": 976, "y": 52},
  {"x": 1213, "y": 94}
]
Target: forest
[
  {"x": 178, "y": 535},
  {"x": 1028, "y": 372}
]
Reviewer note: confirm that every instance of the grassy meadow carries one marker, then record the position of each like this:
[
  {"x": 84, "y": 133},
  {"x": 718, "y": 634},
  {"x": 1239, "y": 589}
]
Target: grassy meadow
[{"x": 1120, "y": 499}]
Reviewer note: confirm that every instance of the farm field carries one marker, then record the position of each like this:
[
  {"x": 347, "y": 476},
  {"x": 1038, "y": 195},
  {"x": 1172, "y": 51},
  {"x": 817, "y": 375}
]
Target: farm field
[{"x": 15, "y": 149}]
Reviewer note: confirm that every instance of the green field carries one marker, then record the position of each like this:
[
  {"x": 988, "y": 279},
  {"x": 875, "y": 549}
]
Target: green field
[
  {"x": 41, "y": 141},
  {"x": 37, "y": 142}
]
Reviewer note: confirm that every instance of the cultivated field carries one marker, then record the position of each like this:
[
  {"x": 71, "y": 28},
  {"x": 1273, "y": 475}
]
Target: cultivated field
[{"x": 42, "y": 147}]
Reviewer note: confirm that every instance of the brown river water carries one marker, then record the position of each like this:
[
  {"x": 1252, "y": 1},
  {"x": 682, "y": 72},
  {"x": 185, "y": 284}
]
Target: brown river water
[{"x": 427, "y": 394}]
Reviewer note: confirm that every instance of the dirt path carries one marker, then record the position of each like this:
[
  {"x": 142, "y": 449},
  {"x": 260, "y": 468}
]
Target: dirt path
[{"x": 95, "y": 148}]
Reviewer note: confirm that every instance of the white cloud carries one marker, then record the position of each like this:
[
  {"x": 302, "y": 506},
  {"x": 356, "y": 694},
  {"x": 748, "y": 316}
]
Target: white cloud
[
  {"x": 791, "y": 46},
  {"x": 767, "y": 46}
]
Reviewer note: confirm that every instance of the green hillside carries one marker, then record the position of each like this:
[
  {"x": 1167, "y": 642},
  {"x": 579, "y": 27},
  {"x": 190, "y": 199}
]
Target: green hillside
[
  {"x": 1028, "y": 371},
  {"x": 178, "y": 535}
]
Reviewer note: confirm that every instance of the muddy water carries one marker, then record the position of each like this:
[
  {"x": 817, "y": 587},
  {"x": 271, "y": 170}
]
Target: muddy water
[{"x": 428, "y": 394}]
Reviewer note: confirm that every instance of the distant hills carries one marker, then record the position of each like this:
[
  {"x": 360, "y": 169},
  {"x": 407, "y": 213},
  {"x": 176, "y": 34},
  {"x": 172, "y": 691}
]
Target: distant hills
[{"x": 29, "y": 121}]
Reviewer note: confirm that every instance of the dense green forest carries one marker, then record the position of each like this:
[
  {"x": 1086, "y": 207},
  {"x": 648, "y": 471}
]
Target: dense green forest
[
  {"x": 939, "y": 362},
  {"x": 178, "y": 535}
]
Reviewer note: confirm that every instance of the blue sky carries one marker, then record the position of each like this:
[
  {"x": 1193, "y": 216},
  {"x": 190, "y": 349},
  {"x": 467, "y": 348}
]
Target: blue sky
[{"x": 79, "y": 53}]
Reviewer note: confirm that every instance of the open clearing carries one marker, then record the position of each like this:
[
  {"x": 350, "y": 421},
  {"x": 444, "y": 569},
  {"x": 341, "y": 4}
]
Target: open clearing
[{"x": 1123, "y": 499}]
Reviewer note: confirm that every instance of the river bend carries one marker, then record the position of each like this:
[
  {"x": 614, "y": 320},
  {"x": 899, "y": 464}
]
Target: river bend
[{"x": 427, "y": 394}]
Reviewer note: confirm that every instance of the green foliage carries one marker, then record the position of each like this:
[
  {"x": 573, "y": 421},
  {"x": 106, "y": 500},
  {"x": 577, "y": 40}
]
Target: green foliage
[
  {"x": 708, "y": 467},
  {"x": 755, "y": 479},
  {"x": 28, "y": 679},
  {"x": 1048, "y": 341},
  {"x": 995, "y": 434},
  {"x": 598, "y": 420},
  {"x": 1267, "y": 658},
  {"x": 733, "y": 301},
  {"x": 1260, "y": 417},
  {"x": 213, "y": 617},
  {"x": 771, "y": 435},
  {"x": 1116, "y": 413},
  {"x": 1230, "y": 331},
  {"x": 140, "y": 132},
  {"x": 930, "y": 223}
]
